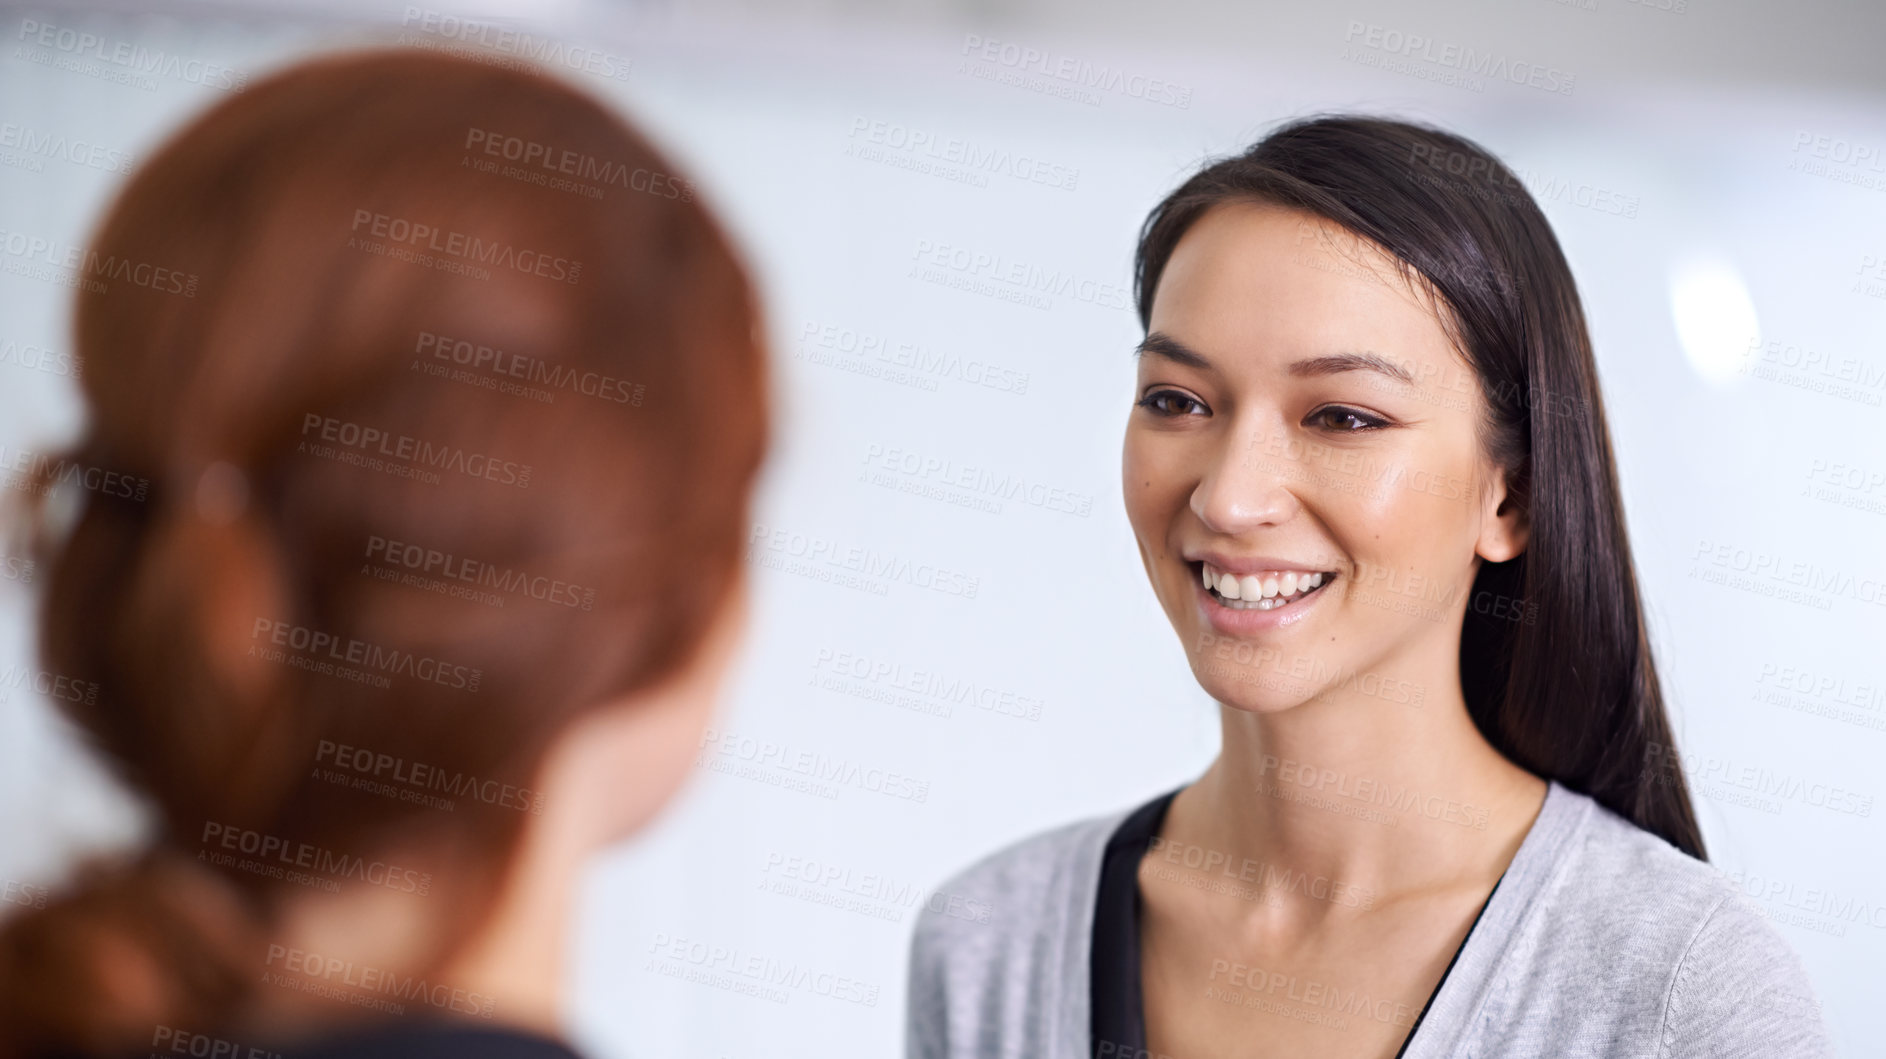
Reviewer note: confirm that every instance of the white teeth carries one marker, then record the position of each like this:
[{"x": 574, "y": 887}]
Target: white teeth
[{"x": 1255, "y": 592}]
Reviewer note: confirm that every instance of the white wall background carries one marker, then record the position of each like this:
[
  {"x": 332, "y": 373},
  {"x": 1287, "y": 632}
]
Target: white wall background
[{"x": 1703, "y": 123}]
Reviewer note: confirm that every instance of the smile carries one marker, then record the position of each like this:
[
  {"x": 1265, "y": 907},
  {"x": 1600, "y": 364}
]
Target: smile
[{"x": 1263, "y": 590}]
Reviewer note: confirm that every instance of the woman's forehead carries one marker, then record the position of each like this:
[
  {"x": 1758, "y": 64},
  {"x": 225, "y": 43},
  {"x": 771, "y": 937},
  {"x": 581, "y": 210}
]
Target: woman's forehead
[{"x": 1254, "y": 279}]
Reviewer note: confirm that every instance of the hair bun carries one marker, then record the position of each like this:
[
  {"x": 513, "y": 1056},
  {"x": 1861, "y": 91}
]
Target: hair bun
[{"x": 126, "y": 947}]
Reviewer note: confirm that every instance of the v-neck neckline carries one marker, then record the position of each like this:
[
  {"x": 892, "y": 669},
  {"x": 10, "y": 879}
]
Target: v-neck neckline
[{"x": 1116, "y": 999}]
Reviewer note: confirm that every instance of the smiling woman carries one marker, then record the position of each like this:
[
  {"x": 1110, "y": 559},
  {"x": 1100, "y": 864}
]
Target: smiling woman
[{"x": 1371, "y": 483}]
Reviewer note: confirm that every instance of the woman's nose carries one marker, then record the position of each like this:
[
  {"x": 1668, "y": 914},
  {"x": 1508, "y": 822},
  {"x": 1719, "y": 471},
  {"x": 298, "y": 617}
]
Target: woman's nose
[{"x": 1247, "y": 483}]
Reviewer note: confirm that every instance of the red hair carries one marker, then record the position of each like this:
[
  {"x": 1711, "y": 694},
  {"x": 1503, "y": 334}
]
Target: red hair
[{"x": 449, "y": 395}]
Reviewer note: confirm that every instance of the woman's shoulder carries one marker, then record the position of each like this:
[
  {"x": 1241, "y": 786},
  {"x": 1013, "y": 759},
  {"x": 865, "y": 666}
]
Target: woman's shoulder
[
  {"x": 1618, "y": 874},
  {"x": 1674, "y": 937},
  {"x": 998, "y": 959},
  {"x": 1009, "y": 886},
  {"x": 1615, "y": 859},
  {"x": 1622, "y": 889}
]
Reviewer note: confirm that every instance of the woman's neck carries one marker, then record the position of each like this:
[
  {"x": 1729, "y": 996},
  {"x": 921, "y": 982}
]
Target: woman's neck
[
  {"x": 1386, "y": 799},
  {"x": 509, "y": 974}
]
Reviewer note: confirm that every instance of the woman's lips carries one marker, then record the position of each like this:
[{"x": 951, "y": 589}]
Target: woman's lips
[{"x": 1272, "y": 608}]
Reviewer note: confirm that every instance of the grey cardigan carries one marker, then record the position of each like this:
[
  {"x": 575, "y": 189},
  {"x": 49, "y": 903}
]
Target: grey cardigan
[{"x": 1602, "y": 940}]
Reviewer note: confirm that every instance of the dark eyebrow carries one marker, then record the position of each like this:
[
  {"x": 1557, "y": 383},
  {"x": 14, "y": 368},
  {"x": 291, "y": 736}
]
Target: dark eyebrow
[
  {"x": 1164, "y": 345},
  {"x": 1337, "y": 363}
]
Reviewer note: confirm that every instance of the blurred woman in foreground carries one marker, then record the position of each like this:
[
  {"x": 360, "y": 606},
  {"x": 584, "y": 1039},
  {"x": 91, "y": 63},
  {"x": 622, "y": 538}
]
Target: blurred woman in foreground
[{"x": 447, "y": 407}]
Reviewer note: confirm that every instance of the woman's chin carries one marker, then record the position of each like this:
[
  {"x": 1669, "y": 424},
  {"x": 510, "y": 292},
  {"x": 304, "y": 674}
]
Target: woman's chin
[{"x": 1242, "y": 688}]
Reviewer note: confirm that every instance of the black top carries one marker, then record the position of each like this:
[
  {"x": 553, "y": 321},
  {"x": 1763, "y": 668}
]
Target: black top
[
  {"x": 1117, "y": 1009},
  {"x": 423, "y": 1037},
  {"x": 432, "y": 1039}
]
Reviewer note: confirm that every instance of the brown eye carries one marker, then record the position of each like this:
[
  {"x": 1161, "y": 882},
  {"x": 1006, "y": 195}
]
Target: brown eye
[
  {"x": 1340, "y": 420},
  {"x": 1169, "y": 403}
]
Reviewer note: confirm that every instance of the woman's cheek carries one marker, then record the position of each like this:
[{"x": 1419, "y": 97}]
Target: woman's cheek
[
  {"x": 1146, "y": 483},
  {"x": 1410, "y": 542}
]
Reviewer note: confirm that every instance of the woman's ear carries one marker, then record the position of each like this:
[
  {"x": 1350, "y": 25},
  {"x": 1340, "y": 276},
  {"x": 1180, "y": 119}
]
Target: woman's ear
[{"x": 1503, "y": 523}]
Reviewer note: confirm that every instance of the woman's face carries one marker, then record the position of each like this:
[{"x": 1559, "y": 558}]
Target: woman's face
[{"x": 1304, "y": 437}]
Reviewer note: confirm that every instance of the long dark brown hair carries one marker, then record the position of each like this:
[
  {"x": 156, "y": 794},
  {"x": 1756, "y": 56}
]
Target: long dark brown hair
[
  {"x": 433, "y": 398},
  {"x": 1571, "y": 693}
]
